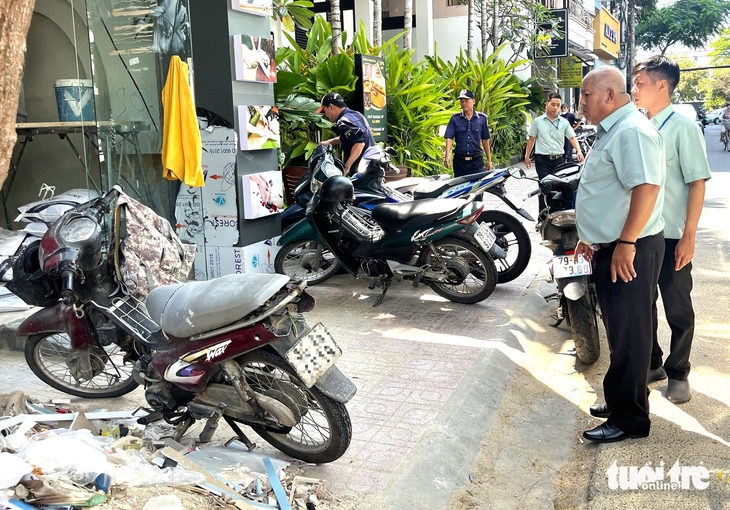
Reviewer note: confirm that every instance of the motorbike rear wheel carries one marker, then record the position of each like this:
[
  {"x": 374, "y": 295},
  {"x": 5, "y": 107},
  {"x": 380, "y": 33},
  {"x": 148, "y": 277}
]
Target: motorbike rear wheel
[
  {"x": 324, "y": 430},
  {"x": 296, "y": 261},
  {"x": 470, "y": 274},
  {"x": 513, "y": 238},
  {"x": 584, "y": 326},
  {"x": 51, "y": 358}
]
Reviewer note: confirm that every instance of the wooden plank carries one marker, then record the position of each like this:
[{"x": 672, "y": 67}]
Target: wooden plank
[{"x": 209, "y": 478}]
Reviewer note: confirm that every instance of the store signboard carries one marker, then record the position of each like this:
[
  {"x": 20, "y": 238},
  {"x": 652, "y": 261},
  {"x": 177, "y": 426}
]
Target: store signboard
[
  {"x": 558, "y": 46},
  {"x": 571, "y": 72},
  {"x": 370, "y": 94}
]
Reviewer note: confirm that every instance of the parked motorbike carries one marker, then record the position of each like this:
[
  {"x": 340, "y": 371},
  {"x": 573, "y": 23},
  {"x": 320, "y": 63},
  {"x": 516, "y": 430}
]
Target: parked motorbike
[
  {"x": 371, "y": 189},
  {"x": 434, "y": 242},
  {"x": 586, "y": 139},
  {"x": 236, "y": 348},
  {"x": 576, "y": 289}
]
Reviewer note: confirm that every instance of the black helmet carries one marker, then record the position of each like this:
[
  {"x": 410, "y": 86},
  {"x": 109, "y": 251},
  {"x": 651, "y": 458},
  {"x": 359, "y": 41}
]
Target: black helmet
[{"x": 337, "y": 189}]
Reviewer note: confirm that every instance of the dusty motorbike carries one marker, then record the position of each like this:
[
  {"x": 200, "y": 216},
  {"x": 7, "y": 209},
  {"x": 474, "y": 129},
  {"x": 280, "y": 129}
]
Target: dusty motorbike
[
  {"x": 425, "y": 241},
  {"x": 236, "y": 348},
  {"x": 576, "y": 289}
]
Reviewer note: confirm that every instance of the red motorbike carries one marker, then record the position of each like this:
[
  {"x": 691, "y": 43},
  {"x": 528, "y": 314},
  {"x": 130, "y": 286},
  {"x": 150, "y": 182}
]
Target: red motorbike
[{"x": 236, "y": 348}]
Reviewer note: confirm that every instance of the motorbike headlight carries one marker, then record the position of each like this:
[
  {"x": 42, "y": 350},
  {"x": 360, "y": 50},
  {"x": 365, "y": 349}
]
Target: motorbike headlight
[{"x": 78, "y": 229}]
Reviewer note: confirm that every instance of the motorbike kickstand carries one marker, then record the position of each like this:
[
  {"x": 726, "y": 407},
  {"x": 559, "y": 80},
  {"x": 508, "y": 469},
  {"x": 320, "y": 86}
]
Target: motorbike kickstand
[
  {"x": 183, "y": 427},
  {"x": 240, "y": 436},
  {"x": 386, "y": 285}
]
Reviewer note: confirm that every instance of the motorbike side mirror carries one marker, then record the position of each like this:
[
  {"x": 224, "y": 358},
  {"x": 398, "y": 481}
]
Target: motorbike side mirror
[
  {"x": 517, "y": 173},
  {"x": 390, "y": 151}
]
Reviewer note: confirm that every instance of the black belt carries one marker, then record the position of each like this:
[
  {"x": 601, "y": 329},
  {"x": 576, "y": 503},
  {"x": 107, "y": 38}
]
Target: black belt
[
  {"x": 601, "y": 246},
  {"x": 468, "y": 158},
  {"x": 552, "y": 156}
]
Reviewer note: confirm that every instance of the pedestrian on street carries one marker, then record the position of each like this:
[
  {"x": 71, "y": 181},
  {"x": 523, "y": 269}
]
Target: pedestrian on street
[
  {"x": 654, "y": 81},
  {"x": 547, "y": 135},
  {"x": 570, "y": 117},
  {"x": 351, "y": 127},
  {"x": 470, "y": 131},
  {"x": 725, "y": 115},
  {"x": 618, "y": 214}
]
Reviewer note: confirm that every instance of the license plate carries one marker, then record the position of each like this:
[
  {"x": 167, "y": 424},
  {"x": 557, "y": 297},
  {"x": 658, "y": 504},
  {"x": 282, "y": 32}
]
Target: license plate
[
  {"x": 565, "y": 267},
  {"x": 485, "y": 236},
  {"x": 313, "y": 354}
]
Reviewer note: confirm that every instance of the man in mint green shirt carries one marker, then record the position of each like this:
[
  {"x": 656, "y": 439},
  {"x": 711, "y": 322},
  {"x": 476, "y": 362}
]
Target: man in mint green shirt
[
  {"x": 654, "y": 81},
  {"x": 618, "y": 215}
]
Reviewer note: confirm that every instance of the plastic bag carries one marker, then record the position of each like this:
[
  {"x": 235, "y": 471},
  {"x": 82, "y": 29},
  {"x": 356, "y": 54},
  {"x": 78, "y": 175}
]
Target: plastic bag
[
  {"x": 132, "y": 470},
  {"x": 79, "y": 459},
  {"x": 49, "y": 210}
]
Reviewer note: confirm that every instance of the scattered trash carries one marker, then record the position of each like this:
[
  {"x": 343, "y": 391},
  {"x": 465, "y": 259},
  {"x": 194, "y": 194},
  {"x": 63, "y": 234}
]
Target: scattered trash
[{"x": 56, "y": 460}]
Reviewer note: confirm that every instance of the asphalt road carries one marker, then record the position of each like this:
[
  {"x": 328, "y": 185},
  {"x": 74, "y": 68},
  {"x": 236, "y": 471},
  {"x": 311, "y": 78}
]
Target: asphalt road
[{"x": 718, "y": 158}]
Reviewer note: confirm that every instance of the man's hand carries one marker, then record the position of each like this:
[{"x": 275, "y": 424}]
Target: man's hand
[
  {"x": 325, "y": 143},
  {"x": 580, "y": 158},
  {"x": 447, "y": 161},
  {"x": 622, "y": 263},
  {"x": 585, "y": 250},
  {"x": 488, "y": 165},
  {"x": 527, "y": 161},
  {"x": 683, "y": 253}
]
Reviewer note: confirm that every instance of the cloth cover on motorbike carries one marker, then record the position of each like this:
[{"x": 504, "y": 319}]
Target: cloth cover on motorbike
[
  {"x": 151, "y": 254},
  {"x": 198, "y": 307}
]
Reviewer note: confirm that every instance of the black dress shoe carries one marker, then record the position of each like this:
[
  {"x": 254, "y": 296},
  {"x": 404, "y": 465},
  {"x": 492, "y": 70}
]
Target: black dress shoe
[
  {"x": 607, "y": 433},
  {"x": 600, "y": 411}
]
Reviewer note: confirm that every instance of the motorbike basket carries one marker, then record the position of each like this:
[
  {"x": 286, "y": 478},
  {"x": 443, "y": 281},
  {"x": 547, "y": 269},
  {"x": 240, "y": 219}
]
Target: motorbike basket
[
  {"x": 360, "y": 224},
  {"x": 29, "y": 282}
]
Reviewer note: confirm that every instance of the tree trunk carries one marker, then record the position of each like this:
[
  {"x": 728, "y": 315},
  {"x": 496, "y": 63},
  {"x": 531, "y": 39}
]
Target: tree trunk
[
  {"x": 408, "y": 24},
  {"x": 470, "y": 30},
  {"x": 377, "y": 22},
  {"x": 336, "y": 22},
  {"x": 485, "y": 31},
  {"x": 14, "y": 23},
  {"x": 631, "y": 43}
]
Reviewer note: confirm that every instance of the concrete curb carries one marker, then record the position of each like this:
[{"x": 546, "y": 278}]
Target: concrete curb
[{"x": 9, "y": 323}]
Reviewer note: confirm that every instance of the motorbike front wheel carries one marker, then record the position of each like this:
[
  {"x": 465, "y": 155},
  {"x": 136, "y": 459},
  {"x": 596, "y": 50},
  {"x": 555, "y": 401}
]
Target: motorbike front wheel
[
  {"x": 584, "y": 326},
  {"x": 306, "y": 260},
  {"x": 513, "y": 238},
  {"x": 51, "y": 358},
  {"x": 469, "y": 275},
  {"x": 323, "y": 431}
]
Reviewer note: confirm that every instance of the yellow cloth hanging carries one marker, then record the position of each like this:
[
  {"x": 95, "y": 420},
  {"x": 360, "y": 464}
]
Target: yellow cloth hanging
[{"x": 181, "y": 147}]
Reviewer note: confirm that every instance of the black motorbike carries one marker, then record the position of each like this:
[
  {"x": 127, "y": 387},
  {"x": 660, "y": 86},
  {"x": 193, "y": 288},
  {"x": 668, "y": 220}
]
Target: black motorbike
[{"x": 576, "y": 289}]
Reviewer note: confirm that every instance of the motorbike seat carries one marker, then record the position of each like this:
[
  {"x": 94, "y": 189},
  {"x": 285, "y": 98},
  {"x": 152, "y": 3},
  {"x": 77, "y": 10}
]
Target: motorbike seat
[
  {"x": 434, "y": 189},
  {"x": 186, "y": 309},
  {"x": 417, "y": 213}
]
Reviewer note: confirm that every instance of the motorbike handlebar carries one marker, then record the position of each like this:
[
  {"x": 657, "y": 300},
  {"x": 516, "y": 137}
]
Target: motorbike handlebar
[
  {"x": 533, "y": 192},
  {"x": 67, "y": 285}
]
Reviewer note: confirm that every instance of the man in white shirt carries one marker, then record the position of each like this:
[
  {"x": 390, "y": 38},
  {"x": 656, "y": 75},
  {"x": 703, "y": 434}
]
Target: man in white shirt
[{"x": 654, "y": 81}]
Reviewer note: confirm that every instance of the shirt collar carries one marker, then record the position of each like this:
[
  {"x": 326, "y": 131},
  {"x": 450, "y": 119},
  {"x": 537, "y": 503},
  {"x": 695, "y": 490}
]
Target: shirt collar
[
  {"x": 662, "y": 115},
  {"x": 607, "y": 123}
]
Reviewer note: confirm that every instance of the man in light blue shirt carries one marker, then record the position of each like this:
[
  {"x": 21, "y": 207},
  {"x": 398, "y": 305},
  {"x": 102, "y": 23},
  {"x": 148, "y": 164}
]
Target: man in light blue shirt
[
  {"x": 654, "y": 81},
  {"x": 618, "y": 215}
]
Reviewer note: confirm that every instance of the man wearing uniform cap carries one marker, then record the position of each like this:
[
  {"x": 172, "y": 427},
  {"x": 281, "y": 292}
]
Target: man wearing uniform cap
[
  {"x": 471, "y": 132},
  {"x": 352, "y": 128}
]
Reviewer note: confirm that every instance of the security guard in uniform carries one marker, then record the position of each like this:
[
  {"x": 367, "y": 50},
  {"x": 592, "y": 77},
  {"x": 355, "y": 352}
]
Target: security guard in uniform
[
  {"x": 352, "y": 128},
  {"x": 471, "y": 132}
]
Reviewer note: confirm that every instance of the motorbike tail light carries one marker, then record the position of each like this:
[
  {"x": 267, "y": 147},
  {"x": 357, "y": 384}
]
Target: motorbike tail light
[
  {"x": 570, "y": 252},
  {"x": 468, "y": 220}
]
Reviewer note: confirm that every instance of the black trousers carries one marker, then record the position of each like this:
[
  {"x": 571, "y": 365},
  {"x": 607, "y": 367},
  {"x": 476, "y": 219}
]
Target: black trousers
[
  {"x": 626, "y": 311},
  {"x": 545, "y": 166},
  {"x": 675, "y": 287},
  {"x": 463, "y": 167}
]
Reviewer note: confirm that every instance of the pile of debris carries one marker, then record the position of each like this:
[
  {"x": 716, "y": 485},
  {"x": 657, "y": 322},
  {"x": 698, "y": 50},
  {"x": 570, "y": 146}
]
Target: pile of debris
[{"x": 55, "y": 459}]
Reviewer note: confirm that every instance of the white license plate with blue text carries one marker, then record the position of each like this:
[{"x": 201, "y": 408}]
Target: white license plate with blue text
[
  {"x": 565, "y": 267},
  {"x": 485, "y": 236}
]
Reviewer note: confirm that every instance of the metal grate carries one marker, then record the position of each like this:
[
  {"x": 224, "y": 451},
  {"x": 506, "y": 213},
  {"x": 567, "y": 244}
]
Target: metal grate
[
  {"x": 360, "y": 223},
  {"x": 133, "y": 317}
]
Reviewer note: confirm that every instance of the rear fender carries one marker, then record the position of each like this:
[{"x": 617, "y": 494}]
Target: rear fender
[
  {"x": 60, "y": 318},
  {"x": 573, "y": 288}
]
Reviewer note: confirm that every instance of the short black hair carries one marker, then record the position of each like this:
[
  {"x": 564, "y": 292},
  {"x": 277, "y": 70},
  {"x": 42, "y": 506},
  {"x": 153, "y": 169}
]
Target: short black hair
[
  {"x": 659, "y": 67},
  {"x": 554, "y": 95}
]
